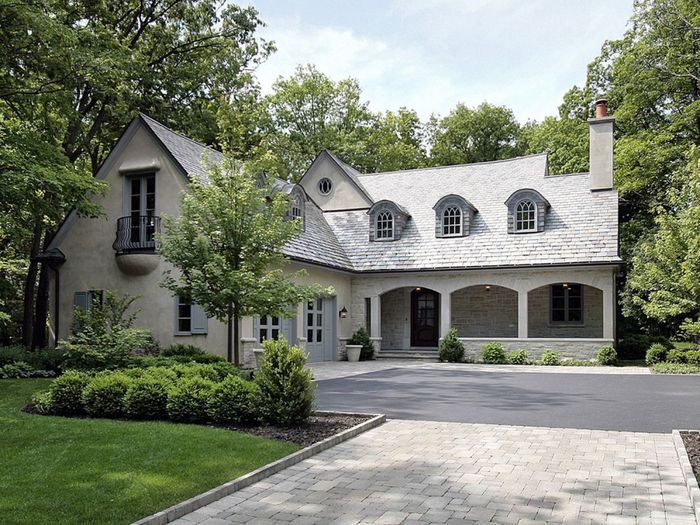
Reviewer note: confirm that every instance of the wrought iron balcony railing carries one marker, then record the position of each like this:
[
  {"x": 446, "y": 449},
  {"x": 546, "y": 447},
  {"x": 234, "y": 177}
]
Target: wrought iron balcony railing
[{"x": 136, "y": 234}]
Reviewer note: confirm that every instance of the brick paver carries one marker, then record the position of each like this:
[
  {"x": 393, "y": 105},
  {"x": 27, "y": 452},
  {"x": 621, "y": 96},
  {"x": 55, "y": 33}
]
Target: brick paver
[{"x": 434, "y": 472}]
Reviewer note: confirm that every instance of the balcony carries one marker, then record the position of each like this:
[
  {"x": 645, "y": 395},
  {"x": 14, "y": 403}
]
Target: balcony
[{"x": 135, "y": 244}]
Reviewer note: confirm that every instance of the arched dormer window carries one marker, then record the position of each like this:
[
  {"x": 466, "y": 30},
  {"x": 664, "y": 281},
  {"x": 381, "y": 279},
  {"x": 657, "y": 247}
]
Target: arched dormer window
[
  {"x": 297, "y": 204},
  {"x": 527, "y": 211},
  {"x": 453, "y": 216},
  {"x": 387, "y": 221}
]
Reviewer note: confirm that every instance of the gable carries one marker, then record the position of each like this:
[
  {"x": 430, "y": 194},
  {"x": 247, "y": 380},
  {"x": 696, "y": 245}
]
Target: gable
[{"x": 346, "y": 192}]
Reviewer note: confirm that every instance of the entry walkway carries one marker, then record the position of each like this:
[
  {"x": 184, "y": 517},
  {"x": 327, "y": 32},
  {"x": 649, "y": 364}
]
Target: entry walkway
[{"x": 434, "y": 472}]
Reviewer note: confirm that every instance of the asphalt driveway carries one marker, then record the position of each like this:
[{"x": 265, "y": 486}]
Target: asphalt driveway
[{"x": 641, "y": 403}]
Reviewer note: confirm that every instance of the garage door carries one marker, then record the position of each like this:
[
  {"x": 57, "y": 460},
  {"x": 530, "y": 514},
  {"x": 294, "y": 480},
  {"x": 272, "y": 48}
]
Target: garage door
[
  {"x": 269, "y": 327},
  {"x": 319, "y": 326}
]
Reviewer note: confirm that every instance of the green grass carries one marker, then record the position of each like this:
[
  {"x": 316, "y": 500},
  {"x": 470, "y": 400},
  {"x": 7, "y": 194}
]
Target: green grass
[
  {"x": 675, "y": 368},
  {"x": 60, "y": 470}
]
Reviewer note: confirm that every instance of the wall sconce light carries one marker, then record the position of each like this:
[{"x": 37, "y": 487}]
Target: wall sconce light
[
  {"x": 343, "y": 313},
  {"x": 418, "y": 289},
  {"x": 564, "y": 285},
  {"x": 488, "y": 287}
]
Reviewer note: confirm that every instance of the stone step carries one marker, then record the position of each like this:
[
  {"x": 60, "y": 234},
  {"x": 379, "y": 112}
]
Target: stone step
[{"x": 426, "y": 355}]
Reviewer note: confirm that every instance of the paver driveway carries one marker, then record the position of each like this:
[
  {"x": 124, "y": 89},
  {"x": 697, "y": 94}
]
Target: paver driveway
[{"x": 437, "y": 472}]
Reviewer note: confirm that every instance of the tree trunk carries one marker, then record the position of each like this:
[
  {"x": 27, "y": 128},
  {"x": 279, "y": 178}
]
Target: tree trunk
[
  {"x": 29, "y": 287},
  {"x": 41, "y": 315},
  {"x": 236, "y": 338}
]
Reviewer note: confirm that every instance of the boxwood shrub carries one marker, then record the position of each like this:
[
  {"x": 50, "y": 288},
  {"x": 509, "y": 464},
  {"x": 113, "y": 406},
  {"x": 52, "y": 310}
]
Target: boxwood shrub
[
  {"x": 451, "y": 348},
  {"x": 550, "y": 358},
  {"x": 676, "y": 356},
  {"x": 693, "y": 357},
  {"x": 518, "y": 357},
  {"x": 104, "y": 394},
  {"x": 232, "y": 401},
  {"x": 188, "y": 400},
  {"x": 493, "y": 353},
  {"x": 147, "y": 398},
  {"x": 607, "y": 356},
  {"x": 656, "y": 354},
  {"x": 67, "y": 393},
  {"x": 361, "y": 337}
]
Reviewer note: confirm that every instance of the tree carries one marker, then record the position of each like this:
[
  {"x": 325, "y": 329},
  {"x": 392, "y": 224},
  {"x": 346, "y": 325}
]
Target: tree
[
  {"x": 79, "y": 71},
  {"x": 468, "y": 135},
  {"x": 396, "y": 142},
  {"x": 226, "y": 248}
]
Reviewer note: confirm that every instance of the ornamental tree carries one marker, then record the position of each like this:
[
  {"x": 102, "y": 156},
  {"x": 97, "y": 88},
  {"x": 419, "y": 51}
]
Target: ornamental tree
[{"x": 226, "y": 249}]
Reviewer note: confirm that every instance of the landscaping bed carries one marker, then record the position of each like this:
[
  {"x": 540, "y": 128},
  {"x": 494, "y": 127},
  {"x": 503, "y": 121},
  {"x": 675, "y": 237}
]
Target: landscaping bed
[{"x": 691, "y": 440}]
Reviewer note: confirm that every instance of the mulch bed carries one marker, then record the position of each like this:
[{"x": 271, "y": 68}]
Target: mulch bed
[
  {"x": 691, "y": 440},
  {"x": 317, "y": 428}
]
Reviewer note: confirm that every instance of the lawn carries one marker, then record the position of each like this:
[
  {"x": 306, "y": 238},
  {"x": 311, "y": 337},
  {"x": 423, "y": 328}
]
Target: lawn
[{"x": 59, "y": 470}]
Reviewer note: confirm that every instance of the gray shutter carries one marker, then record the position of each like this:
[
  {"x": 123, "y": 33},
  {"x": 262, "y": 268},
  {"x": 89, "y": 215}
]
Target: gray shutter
[{"x": 199, "y": 320}]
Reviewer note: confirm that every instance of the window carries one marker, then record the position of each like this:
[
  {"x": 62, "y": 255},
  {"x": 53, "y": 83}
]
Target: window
[
  {"x": 270, "y": 328},
  {"x": 567, "y": 303},
  {"x": 141, "y": 208},
  {"x": 451, "y": 221},
  {"x": 525, "y": 217},
  {"x": 325, "y": 186},
  {"x": 190, "y": 319},
  {"x": 314, "y": 321},
  {"x": 385, "y": 225},
  {"x": 296, "y": 210},
  {"x": 368, "y": 314}
]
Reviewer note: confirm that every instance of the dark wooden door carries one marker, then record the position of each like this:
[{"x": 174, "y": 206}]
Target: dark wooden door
[{"x": 425, "y": 318}]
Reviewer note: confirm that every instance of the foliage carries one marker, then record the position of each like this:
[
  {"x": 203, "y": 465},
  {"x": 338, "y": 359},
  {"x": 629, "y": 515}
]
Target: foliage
[
  {"x": 565, "y": 140},
  {"x": 451, "y": 349},
  {"x": 676, "y": 356},
  {"x": 468, "y": 135},
  {"x": 189, "y": 398},
  {"x": 493, "y": 353},
  {"x": 104, "y": 395},
  {"x": 361, "y": 337},
  {"x": 578, "y": 362},
  {"x": 42, "y": 403},
  {"x": 232, "y": 401},
  {"x": 103, "y": 336},
  {"x": 213, "y": 371},
  {"x": 675, "y": 368},
  {"x": 607, "y": 356},
  {"x": 147, "y": 398},
  {"x": 656, "y": 354},
  {"x": 692, "y": 357},
  {"x": 550, "y": 358},
  {"x": 11, "y": 354},
  {"x": 518, "y": 357},
  {"x": 20, "y": 369},
  {"x": 285, "y": 388},
  {"x": 227, "y": 248},
  {"x": 190, "y": 351},
  {"x": 67, "y": 393},
  {"x": 634, "y": 346}
]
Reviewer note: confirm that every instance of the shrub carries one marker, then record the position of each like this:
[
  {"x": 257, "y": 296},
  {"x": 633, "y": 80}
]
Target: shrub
[
  {"x": 104, "y": 394},
  {"x": 607, "y": 356},
  {"x": 493, "y": 353},
  {"x": 45, "y": 359},
  {"x": 676, "y": 356},
  {"x": 214, "y": 372},
  {"x": 182, "y": 350},
  {"x": 675, "y": 368},
  {"x": 15, "y": 370},
  {"x": 42, "y": 403},
  {"x": 656, "y": 354},
  {"x": 232, "y": 401},
  {"x": 634, "y": 346},
  {"x": 693, "y": 357},
  {"x": 147, "y": 398},
  {"x": 189, "y": 398},
  {"x": 518, "y": 357},
  {"x": 549, "y": 358},
  {"x": 285, "y": 389},
  {"x": 67, "y": 393},
  {"x": 160, "y": 373},
  {"x": 361, "y": 337},
  {"x": 11, "y": 354},
  {"x": 451, "y": 349}
]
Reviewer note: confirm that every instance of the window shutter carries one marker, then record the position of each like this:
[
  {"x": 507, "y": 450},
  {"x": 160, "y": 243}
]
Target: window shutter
[
  {"x": 199, "y": 320},
  {"x": 81, "y": 300}
]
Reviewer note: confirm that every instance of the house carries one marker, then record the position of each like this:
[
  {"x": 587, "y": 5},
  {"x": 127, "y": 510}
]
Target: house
[{"x": 501, "y": 251}]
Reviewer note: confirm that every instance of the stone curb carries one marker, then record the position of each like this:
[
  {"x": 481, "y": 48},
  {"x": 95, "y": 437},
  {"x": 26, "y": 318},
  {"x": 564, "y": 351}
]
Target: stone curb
[
  {"x": 690, "y": 481},
  {"x": 185, "y": 507}
]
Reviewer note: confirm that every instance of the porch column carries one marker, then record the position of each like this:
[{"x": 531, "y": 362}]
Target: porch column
[
  {"x": 609, "y": 309},
  {"x": 376, "y": 322},
  {"x": 522, "y": 314},
  {"x": 301, "y": 332},
  {"x": 445, "y": 313}
]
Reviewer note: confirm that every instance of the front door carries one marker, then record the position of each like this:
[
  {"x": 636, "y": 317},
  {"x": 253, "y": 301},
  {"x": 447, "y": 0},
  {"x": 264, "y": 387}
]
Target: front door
[
  {"x": 320, "y": 329},
  {"x": 425, "y": 318}
]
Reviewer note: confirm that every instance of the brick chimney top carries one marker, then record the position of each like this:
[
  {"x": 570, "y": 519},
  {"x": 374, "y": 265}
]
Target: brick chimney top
[{"x": 601, "y": 108}]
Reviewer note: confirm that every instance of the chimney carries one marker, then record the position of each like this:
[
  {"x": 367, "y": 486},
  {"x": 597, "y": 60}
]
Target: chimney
[{"x": 601, "y": 147}]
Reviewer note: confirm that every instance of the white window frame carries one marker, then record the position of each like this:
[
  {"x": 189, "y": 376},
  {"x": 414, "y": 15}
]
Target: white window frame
[
  {"x": 384, "y": 223},
  {"x": 520, "y": 221},
  {"x": 455, "y": 213},
  {"x": 296, "y": 211},
  {"x": 325, "y": 181}
]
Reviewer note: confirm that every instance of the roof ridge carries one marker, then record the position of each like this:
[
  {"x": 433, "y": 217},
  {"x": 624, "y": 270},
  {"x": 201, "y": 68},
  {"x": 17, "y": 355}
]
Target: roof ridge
[
  {"x": 179, "y": 134},
  {"x": 521, "y": 157}
]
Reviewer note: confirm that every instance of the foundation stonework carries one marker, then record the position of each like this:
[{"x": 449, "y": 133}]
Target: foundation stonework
[{"x": 582, "y": 349}]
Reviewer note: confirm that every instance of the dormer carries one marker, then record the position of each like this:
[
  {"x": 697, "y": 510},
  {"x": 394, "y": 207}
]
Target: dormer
[
  {"x": 297, "y": 204},
  {"x": 527, "y": 211},
  {"x": 453, "y": 216},
  {"x": 386, "y": 221},
  {"x": 333, "y": 185}
]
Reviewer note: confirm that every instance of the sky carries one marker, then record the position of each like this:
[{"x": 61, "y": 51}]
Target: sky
[{"x": 429, "y": 55}]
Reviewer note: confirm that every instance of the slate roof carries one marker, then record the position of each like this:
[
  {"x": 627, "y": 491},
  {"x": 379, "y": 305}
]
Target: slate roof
[{"x": 581, "y": 226}]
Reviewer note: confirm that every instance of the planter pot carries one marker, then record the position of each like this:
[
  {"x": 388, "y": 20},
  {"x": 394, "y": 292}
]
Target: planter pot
[
  {"x": 354, "y": 352},
  {"x": 258, "y": 352}
]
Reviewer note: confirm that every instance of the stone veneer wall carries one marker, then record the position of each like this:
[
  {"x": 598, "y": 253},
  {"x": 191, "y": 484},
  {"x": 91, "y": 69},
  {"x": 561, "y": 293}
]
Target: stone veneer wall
[
  {"x": 477, "y": 312},
  {"x": 583, "y": 349},
  {"x": 539, "y": 315},
  {"x": 396, "y": 309}
]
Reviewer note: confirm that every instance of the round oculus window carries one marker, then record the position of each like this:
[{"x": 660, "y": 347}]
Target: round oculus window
[{"x": 324, "y": 186}]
